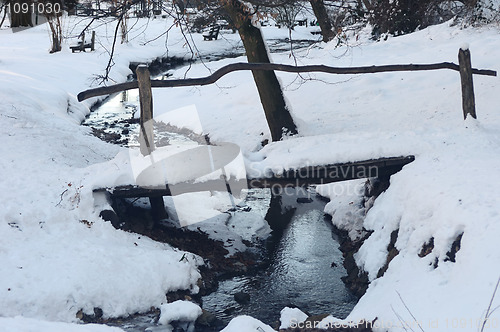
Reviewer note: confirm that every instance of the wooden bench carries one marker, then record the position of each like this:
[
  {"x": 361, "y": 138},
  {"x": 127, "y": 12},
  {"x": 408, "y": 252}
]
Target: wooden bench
[
  {"x": 81, "y": 45},
  {"x": 301, "y": 23},
  {"x": 212, "y": 33}
]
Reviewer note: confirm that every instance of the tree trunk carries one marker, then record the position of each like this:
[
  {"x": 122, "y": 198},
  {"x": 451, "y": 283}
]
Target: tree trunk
[
  {"x": 18, "y": 18},
  {"x": 56, "y": 32},
  {"x": 271, "y": 95},
  {"x": 325, "y": 24},
  {"x": 4, "y": 9},
  {"x": 124, "y": 21}
]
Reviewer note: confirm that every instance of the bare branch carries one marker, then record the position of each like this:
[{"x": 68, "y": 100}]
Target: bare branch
[
  {"x": 409, "y": 311},
  {"x": 110, "y": 61},
  {"x": 488, "y": 311}
]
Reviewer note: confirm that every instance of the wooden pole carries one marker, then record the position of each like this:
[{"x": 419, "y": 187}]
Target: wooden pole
[
  {"x": 82, "y": 46},
  {"x": 468, "y": 101},
  {"x": 92, "y": 42},
  {"x": 146, "y": 137}
]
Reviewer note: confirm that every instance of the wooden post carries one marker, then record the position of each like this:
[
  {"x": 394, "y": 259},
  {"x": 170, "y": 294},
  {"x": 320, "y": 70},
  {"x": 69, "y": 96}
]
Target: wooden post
[
  {"x": 468, "y": 102},
  {"x": 146, "y": 138},
  {"x": 82, "y": 45},
  {"x": 92, "y": 42}
]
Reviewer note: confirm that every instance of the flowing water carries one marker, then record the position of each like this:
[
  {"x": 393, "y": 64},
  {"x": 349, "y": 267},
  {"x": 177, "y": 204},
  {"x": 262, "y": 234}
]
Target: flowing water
[
  {"x": 300, "y": 250},
  {"x": 300, "y": 274}
]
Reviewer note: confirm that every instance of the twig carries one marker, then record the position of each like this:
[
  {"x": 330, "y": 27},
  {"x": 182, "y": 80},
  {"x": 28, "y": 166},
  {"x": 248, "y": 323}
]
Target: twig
[
  {"x": 409, "y": 311},
  {"x": 403, "y": 325},
  {"x": 8, "y": 116},
  {"x": 62, "y": 194},
  {"x": 488, "y": 312},
  {"x": 111, "y": 61}
]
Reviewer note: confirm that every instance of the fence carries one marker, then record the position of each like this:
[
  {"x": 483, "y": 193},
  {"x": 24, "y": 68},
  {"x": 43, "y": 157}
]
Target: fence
[{"x": 145, "y": 84}]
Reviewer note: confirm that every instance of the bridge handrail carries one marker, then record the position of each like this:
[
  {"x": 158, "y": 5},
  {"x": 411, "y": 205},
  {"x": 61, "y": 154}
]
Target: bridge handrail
[{"x": 219, "y": 73}]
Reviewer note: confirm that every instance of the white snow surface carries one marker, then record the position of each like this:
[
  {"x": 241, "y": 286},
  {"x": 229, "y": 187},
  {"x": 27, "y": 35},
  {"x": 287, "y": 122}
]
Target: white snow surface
[
  {"x": 22, "y": 324},
  {"x": 58, "y": 256},
  {"x": 290, "y": 317},
  {"x": 184, "y": 311},
  {"x": 246, "y": 324}
]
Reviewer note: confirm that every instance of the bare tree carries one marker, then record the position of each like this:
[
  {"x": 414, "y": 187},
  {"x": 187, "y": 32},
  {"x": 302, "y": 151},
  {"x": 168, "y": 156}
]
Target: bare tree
[
  {"x": 324, "y": 21},
  {"x": 55, "y": 25},
  {"x": 122, "y": 9},
  {"x": 404, "y": 16},
  {"x": 285, "y": 15}
]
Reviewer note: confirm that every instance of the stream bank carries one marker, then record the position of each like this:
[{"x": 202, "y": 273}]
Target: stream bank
[{"x": 298, "y": 265}]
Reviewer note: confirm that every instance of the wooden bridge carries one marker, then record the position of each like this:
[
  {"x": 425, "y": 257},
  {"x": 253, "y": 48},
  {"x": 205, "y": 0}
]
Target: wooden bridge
[
  {"x": 301, "y": 177},
  {"x": 319, "y": 174}
]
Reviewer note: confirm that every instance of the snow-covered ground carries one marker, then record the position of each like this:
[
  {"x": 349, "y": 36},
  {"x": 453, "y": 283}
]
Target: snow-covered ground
[{"x": 58, "y": 257}]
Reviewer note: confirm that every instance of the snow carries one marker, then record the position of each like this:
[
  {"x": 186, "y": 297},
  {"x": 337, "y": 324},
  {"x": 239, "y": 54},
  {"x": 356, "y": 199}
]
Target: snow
[
  {"x": 59, "y": 257},
  {"x": 290, "y": 317},
  {"x": 184, "y": 311},
  {"x": 246, "y": 324},
  {"x": 345, "y": 206},
  {"x": 22, "y": 324}
]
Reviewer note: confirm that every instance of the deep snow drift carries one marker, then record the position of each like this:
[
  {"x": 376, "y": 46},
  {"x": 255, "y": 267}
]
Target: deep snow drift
[{"x": 59, "y": 257}]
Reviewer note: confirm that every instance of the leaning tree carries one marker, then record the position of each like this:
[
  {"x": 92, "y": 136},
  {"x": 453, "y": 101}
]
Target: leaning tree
[
  {"x": 323, "y": 18},
  {"x": 270, "y": 91}
]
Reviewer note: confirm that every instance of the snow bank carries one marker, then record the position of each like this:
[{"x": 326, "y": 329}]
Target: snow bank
[
  {"x": 21, "y": 324},
  {"x": 58, "y": 257},
  {"x": 246, "y": 324},
  {"x": 440, "y": 196},
  {"x": 290, "y": 317},
  {"x": 346, "y": 205},
  {"x": 184, "y": 311}
]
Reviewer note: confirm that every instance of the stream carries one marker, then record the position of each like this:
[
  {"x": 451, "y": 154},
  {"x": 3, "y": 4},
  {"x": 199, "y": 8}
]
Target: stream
[
  {"x": 301, "y": 250},
  {"x": 304, "y": 267}
]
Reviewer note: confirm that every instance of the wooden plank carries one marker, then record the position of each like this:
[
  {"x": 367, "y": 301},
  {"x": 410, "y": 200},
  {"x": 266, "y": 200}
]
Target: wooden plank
[
  {"x": 334, "y": 173},
  {"x": 292, "y": 178},
  {"x": 468, "y": 101},
  {"x": 277, "y": 67}
]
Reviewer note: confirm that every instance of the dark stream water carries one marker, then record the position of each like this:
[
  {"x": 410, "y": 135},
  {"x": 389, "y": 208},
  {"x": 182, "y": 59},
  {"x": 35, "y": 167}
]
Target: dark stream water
[{"x": 300, "y": 250}]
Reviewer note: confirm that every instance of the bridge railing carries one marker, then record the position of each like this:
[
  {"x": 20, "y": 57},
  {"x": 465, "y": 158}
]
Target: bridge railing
[{"x": 144, "y": 84}]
